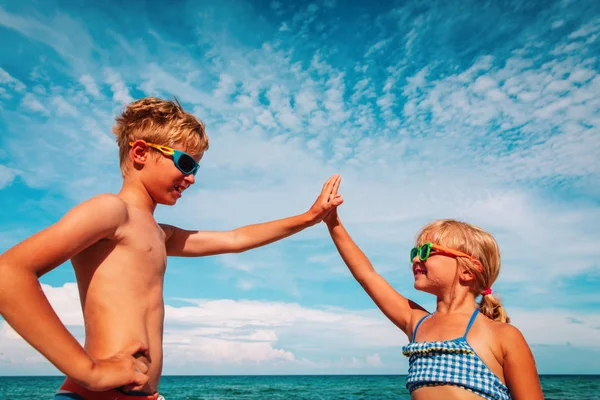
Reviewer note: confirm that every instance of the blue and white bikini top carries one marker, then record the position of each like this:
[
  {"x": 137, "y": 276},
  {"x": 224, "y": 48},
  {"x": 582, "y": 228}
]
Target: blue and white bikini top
[{"x": 451, "y": 362}]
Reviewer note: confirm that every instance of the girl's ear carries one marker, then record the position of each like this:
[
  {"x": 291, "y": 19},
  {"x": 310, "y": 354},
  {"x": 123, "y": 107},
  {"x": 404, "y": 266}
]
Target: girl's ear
[{"x": 465, "y": 273}]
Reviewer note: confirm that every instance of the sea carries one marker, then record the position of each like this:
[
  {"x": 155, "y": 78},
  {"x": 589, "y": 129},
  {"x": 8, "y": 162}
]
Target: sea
[{"x": 350, "y": 387}]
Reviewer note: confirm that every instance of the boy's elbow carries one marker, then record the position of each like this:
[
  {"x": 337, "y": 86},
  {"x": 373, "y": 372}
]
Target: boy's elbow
[
  {"x": 4, "y": 272},
  {"x": 5, "y": 280},
  {"x": 240, "y": 247},
  {"x": 235, "y": 242},
  {"x": 239, "y": 242},
  {"x": 12, "y": 277}
]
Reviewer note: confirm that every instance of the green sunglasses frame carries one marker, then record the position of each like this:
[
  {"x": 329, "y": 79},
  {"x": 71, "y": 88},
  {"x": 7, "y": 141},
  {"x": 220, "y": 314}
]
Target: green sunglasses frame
[{"x": 417, "y": 251}]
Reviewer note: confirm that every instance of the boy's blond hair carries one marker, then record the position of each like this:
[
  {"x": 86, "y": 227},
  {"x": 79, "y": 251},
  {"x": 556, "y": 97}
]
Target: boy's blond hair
[
  {"x": 160, "y": 122},
  {"x": 472, "y": 240}
]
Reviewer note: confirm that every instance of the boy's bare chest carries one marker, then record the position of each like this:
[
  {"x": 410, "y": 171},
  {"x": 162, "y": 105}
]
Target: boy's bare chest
[{"x": 146, "y": 243}]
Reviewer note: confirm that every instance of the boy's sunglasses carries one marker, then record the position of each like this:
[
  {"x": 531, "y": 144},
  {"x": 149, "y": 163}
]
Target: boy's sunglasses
[
  {"x": 424, "y": 251},
  {"x": 183, "y": 161}
]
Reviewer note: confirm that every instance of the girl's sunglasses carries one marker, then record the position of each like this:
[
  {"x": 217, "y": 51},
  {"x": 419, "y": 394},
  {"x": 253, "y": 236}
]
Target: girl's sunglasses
[
  {"x": 424, "y": 251},
  {"x": 183, "y": 161}
]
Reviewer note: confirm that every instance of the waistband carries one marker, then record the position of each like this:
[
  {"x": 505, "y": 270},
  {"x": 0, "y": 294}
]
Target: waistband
[{"x": 71, "y": 387}]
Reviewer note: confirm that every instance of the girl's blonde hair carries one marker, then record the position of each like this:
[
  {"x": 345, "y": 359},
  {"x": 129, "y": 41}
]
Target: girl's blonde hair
[
  {"x": 161, "y": 122},
  {"x": 472, "y": 240}
]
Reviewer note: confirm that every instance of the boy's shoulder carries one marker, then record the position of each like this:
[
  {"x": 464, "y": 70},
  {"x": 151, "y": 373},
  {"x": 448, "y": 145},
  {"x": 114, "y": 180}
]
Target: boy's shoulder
[
  {"x": 106, "y": 201},
  {"x": 106, "y": 206}
]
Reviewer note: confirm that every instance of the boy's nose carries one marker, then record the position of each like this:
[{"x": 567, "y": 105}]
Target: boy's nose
[{"x": 190, "y": 178}]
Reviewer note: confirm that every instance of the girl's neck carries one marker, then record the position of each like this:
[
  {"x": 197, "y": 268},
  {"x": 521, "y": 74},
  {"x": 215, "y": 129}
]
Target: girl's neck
[{"x": 456, "y": 303}]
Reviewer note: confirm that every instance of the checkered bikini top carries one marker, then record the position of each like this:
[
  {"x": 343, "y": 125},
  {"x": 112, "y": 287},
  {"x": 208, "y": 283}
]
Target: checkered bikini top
[{"x": 451, "y": 362}]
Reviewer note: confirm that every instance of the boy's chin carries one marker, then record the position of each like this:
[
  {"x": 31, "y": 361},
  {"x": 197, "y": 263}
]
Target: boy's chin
[{"x": 167, "y": 201}]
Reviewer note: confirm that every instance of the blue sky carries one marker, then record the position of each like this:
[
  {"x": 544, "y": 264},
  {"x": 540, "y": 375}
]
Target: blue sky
[{"x": 485, "y": 111}]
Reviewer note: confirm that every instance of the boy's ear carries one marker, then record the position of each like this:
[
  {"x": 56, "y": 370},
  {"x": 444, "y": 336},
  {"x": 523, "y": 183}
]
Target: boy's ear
[{"x": 139, "y": 152}]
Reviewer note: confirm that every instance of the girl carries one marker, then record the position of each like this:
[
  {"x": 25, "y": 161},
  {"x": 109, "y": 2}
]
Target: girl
[{"x": 463, "y": 350}]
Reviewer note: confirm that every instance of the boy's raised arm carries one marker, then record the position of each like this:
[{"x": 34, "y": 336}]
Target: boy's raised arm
[
  {"x": 185, "y": 243},
  {"x": 25, "y": 307}
]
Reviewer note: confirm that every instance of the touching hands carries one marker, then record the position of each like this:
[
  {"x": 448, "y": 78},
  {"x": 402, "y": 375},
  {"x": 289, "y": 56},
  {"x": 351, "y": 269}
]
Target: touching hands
[{"x": 325, "y": 207}]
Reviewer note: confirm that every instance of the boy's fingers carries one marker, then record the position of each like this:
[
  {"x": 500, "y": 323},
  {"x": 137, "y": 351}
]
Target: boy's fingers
[
  {"x": 140, "y": 379},
  {"x": 141, "y": 366}
]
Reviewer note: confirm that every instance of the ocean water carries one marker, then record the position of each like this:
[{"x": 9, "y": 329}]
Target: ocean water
[{"x": 351, "y": 387}]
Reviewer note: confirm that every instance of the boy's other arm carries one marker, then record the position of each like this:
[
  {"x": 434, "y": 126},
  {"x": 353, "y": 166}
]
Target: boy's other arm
[
  {"x": 397, "y": 308},
  {"x": 520, "y": 371},
  {"x": 22, "y": 301},
  {"x": 185, "y": 243}
]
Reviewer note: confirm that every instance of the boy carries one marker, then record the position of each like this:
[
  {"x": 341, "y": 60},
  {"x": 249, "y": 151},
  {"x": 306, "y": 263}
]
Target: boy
[{"x": 119, "y": 255}]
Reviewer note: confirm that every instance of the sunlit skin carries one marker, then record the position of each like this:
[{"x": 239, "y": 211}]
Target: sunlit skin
[{"x": 119, "y": 253}]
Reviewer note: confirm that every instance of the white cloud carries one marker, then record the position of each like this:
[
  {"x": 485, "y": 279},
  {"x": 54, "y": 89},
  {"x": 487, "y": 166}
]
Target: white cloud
[
  {"x": 557, "y": 327},
  {"x": 581, "y": 75},
  {"x": 225, "y": 87},
  {"x": 63, "y": 108},
  {"x": 118, "y": 87},
  {"x": 265, "y": 118},
  {"x": 376, "y": 47},
  {"x": 246, "y": 284},
  {"x": 305, "y": 101},
  {"x": 90, "y": 85},
  {"x": 216, "y": 332},
  {"x": 374, "y": 360},
  {"x": 259, "y": 334},
  {"x": 10, "y": 82},
  {"x": 586, "y": 30},
  {"x": 7, "y": 175},
  {"x": 31, "y": 102},
  {"x": 63, "y": 34},
  {"x": 484, "y": 83},
  {"x": 334, "y": 95}
]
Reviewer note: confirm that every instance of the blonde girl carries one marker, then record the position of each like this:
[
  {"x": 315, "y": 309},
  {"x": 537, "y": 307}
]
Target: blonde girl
[{"x": 465, "y": 349}]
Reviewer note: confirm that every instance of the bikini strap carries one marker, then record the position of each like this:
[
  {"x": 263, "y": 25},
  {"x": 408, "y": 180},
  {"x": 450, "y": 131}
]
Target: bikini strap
[
  {"x": 417, "y": 327},
  {"x": 471, "y": 322}
]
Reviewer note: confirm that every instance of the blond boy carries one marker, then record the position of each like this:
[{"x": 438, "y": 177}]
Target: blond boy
[{"x": 119, "y": 254}]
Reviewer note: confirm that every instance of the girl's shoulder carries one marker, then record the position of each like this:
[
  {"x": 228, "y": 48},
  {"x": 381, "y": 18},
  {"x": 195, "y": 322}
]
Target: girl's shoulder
[{"x": 507, "y": 336}]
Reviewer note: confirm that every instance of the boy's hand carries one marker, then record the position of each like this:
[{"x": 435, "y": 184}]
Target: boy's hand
[
  {"x": 120, "y": 370},
  {"x": 328, "y": 200}
]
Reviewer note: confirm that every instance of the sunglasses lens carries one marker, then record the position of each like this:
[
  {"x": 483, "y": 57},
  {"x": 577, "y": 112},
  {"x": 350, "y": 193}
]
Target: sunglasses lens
[
  {"x": 424, "y": 252},
  {"x": 186, "y": 163},
  {"x": 413, "y": 253}
]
